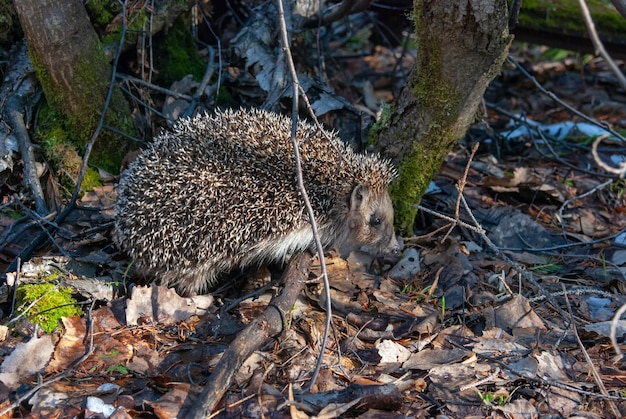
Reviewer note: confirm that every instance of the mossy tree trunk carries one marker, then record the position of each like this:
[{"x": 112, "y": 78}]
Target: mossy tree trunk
[
  {"x": 75, "y": 74},
  {"x": 461, "y": 48}
]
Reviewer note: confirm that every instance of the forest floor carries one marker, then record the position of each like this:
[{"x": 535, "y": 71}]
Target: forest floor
[{"x": 502, "y": 309}]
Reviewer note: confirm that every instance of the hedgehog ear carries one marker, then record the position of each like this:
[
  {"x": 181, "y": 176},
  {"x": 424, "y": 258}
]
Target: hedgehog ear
[{"x": 357, "y": 197}]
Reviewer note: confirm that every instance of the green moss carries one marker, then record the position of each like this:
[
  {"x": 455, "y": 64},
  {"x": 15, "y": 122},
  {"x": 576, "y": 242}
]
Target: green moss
[
  {"x": 91, "y": 180},
  {"x": 358, "y": 40},
  {"x": 102, "y": 12},
  {"x": 177, "y": 56},
  {"x": 433, "y": 92},
  {"x": 13, "y": 214},
  {"x": 407, "y": 190},
  {"x": 61, "y": 153},
  {"x": 564, "y": 16},
  {"x": 83, "y": 118},
  {"x": 79, "y": 120},
  {"x": 415, "y": 173},
  {"x": 383, "y": 122},
  {"x": 440, "y": 101},
  {"x": 52, "y": 302},
  {"x": 137, "y": 23},
  {"x": 225, "y": 98}
]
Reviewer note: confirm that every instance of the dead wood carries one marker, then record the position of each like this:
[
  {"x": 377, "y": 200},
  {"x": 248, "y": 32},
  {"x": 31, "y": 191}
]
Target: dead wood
[
  {"x": 384, "y": 397},
  {"x": 274, "y": 320},
  {"x": 20, "y": 91}
]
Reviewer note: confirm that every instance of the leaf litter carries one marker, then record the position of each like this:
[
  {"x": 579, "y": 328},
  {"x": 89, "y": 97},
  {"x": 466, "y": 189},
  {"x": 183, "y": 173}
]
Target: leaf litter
[{"x": 454, "y": 328}]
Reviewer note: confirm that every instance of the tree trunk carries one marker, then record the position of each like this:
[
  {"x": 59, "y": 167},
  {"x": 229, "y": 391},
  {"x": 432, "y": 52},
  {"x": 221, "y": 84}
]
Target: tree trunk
[
  {"x": 74, "y": 73},
  {"x": 461, "y": 48}
]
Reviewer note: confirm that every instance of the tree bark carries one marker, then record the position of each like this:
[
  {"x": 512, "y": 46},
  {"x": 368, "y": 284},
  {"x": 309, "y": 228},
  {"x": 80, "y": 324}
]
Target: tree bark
[
  {"x": 461, "y": 48},
  {"x": 74, "y": 72}
]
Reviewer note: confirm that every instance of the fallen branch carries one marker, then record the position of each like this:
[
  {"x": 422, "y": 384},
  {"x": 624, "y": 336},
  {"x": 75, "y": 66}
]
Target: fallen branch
[
  {"x": 386, "y": 397},
  {"x": 274, "y": 320}
]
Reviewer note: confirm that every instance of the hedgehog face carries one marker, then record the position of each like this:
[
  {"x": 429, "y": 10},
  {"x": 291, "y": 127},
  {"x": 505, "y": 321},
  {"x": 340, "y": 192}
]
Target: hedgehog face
[{"x": 370, "y": 221}]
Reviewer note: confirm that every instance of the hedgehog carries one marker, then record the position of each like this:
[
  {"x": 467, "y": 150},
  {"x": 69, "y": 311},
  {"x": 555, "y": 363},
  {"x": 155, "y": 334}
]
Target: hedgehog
[{"x": 218, "y": 193}]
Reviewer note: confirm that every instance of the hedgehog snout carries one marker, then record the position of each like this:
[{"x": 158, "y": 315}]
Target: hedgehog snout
[
  {"x": 393, "y": 247},
  {"x": 387, "y": 242}
]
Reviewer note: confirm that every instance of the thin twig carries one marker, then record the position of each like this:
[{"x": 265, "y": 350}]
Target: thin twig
[
  {"x": 146, "y": 105},
  {"x": 463, "y": 181},
  {"x": 460, "y": 187},
  {"x": 555, "y": 156},
  {"x": 18, "y": 273},
  {"x": 621, "y": 171},
  {"x": 618, "y": 314},
  {"x": 597, "y": 44},
  {"x": 482, "y": 381},
  {"x": 578, "y": 291},
  {"x": 154, "y": 87},
  {"x": 564, "y": 104},
  {"x": 527, "y": 275},
  {"x": 481, "y": 231},
  {"x": 220, "y": 65},
  {"x": 303, "y": 192},
  {"x": 581, "y": 346},
  {"x": 208, "y": 73}
]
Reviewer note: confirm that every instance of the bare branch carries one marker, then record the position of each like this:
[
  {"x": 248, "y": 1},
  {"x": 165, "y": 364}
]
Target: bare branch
[
  {"x": 621, "y": 171},
  {"x": 592, "y": 368},
  {"x": 303, "y": 192},
  {"x": 270, "y": 323},
  {"x": 597, "y": 44},
  {"x": 570, "y": 108},
  {"x": 26, "y": 147},
  {"x": 19, "y": 88}
]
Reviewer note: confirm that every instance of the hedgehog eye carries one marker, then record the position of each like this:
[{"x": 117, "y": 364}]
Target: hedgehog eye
[{"x": 375, "y": 221}]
